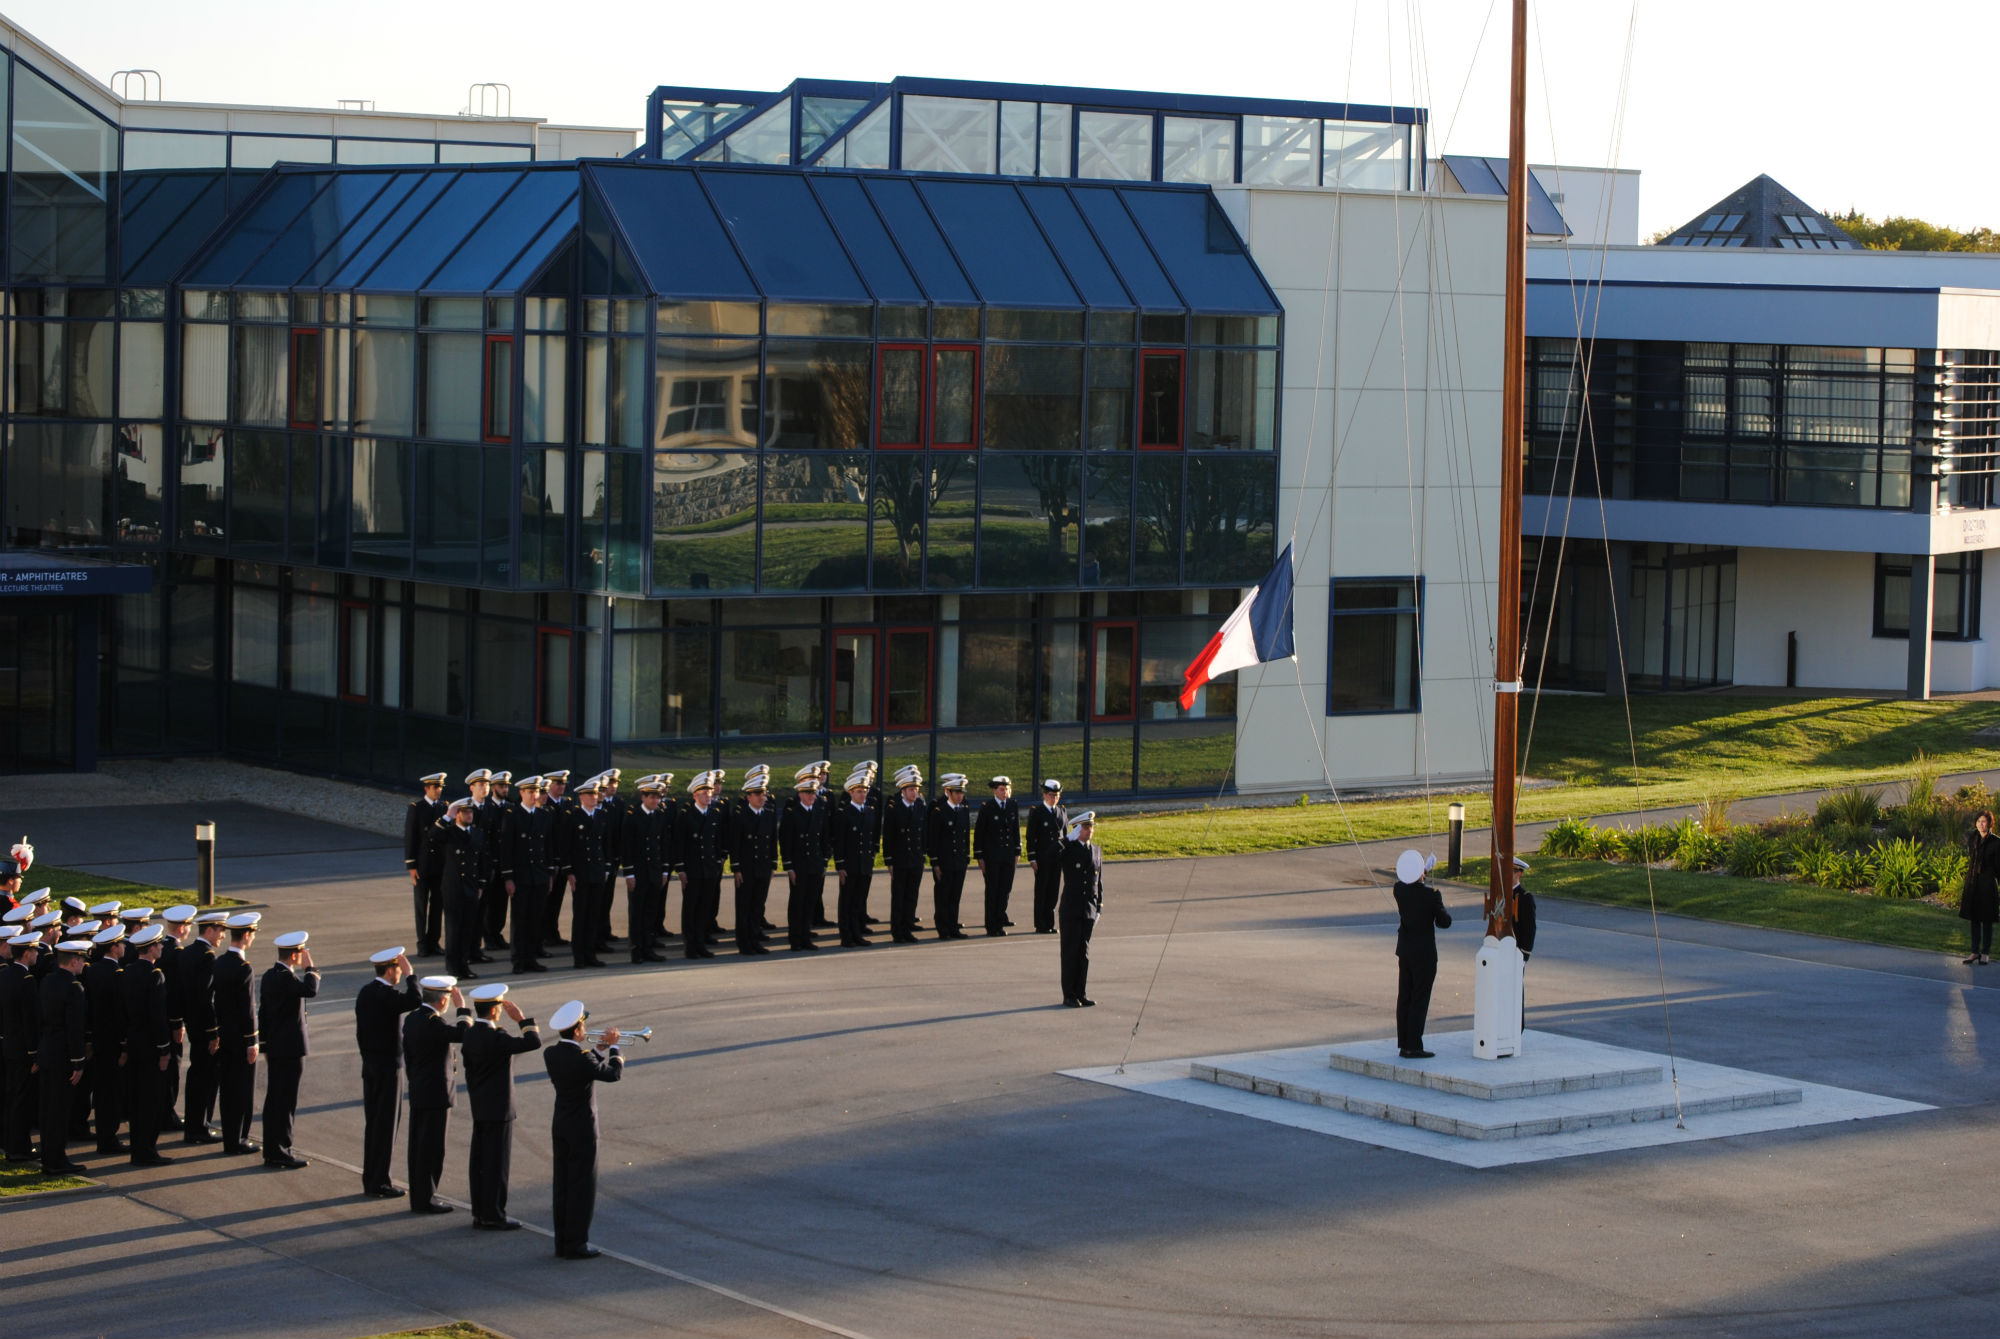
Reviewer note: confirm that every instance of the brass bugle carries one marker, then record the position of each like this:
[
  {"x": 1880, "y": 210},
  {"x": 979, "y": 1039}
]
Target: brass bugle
[{"x": 635, "y": 1034}]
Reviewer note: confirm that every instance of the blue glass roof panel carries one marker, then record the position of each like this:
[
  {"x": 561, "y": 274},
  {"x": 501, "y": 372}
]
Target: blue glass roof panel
[
  {"x": 1081, "y": 256},
  {"x": 489, "y": 253},
  {"x": 275, "y": 207},
  {"x": 1202, "y": 253},
  {"x": 1488, "y": 176},
  {"x": 868, "y": 242},
  {"x": 551, "y": 240},
  {"x": 397, "y": 188},
  {"x": 928, "y": 254},
  {"x": 784, "y": 236},
  {"x": 371, "y": 248},
  {"x": 998, "y": 244},
  {"x": 165, "y": 226},
  {"x": 1126, "y": 248},
  {"x": 675, "y": 236},
  {"x": 409, "y": 264},
  {"x": 333, "y": 210}
]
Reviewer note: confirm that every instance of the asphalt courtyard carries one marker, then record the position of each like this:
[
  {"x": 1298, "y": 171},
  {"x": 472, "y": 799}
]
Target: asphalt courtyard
[{"x": 878, "y": 1142}]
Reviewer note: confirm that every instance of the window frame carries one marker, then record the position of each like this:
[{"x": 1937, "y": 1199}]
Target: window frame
[
  {"x": 924, "y": 364},
  {"x": 1096, "y": 626},
  {"x": 874, "y": 724},
  {"x": 294, "y": 366},
  {"x": 929, "y": 633},
  {"x": 344, "y": 687},
  {"x": 544, "y": 633},
  {"x": 1139, "y": 401},
  {"x": 487, "y": 397},
  {"x": 1335, "y": 614},
  {"x": 1971, "y": 576},
  {"x": 930, "y": 402}
]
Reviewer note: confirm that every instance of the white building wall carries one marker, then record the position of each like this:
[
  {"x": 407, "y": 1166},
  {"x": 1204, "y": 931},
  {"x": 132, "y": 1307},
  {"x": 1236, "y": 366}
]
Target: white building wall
[
  {"x": 1390, "y": 418},
  {"x": 1600, "y": 204}
]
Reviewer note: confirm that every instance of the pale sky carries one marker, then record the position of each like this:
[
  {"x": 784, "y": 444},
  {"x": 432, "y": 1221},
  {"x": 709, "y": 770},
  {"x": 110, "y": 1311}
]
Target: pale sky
[{"x": 1877, "y": 106}]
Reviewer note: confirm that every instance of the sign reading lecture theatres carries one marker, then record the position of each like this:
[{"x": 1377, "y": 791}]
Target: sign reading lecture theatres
[{"x": 33, "y": 574}]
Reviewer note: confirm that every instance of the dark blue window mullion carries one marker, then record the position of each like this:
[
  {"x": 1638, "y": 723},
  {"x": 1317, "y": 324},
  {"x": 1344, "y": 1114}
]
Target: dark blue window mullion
[
  {"x": 888, "y": 232},
  {"x": 1236, "y": 172},
  {"x": 797, "y": 99},
  {"x": 1159, "y": 148},
  {"x": 896, "y": 131}
]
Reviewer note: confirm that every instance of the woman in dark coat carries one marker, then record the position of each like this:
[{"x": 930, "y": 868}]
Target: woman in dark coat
[{"x": 1980, "y": 902}]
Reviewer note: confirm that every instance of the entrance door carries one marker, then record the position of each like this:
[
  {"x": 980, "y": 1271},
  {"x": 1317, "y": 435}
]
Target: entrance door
[{"x": 37, "y": 689}]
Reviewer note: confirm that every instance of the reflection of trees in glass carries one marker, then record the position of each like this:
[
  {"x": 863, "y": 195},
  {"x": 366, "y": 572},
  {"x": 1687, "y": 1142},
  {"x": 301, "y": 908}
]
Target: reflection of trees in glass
[
  {"x": 900, "y": 494},
  {"x": 1031, "y": 401},
  {"x": 1232, "y": 509},
  {"x": 1058, "y": 483},
  {"x": 1156, "y": 520}
]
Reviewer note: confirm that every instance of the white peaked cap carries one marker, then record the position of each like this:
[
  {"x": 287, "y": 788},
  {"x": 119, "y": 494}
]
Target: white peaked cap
[
  {"x": 24, "y": 912},
  {"x": 1410, "y": 867},
  {"x": 73, "y": 946},
  {"x": 292, "y": 939},
  {"x": 212, "y": 918},
  {"x": 151, "y": 934},
  {"x": 439, "y": 983},
  {"x": 1076, "y": 824},
  {"x": 952, "y": 781},
  {"x": 1051, "y": 783},
  {"x": 1522, "y": 865},
  {"x": 495, "y": 991},
  {"x": 39, "y": 895},
  {"x": 478, "y": 774},
  {"x": 567, "y": 1016},
  {"x": 45, "y": 920},
  {"x": 434, "y": 779},
  {"x": 244, "y": 920},
  {"x": 176, "y": 915},
  {"x": 909, "y": 775},
  {"x": 136, "y": 914},
  {"x": 386, "y": 955},
  {"x": 104, "y": 909},
  {"x": 25, "y": 941},
  {"x": 111, "y": 936}
]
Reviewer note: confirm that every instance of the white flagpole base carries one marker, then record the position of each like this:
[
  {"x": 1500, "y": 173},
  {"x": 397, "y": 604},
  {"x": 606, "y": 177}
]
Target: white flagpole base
[{"x": 1496, "y": 1000}]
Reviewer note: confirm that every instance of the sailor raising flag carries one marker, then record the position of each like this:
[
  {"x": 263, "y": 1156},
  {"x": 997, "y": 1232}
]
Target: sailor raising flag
[{"x": 1259, "y": 630}]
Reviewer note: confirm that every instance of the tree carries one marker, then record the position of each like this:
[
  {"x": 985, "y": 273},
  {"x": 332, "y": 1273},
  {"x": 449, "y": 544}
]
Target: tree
[{"x": 1901, "y": 233}]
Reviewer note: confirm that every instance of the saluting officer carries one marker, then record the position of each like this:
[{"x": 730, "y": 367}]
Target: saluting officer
[
  {"x": 576, "y": 1071},
  {"x": 583, "y": 844},
  {"x": 149, "y": 1042},
  {"x": 527, "y": 867},
  {"x": 20, "y": 1034},
  {"x": 427, "y": 1055},
  {"x": 1048, "y": 822},
  {"x": 996, "y": 845},
  {"x": 422, "y": 814},
  {"x": 107, "y": 1037},
  {"x": 804, "y": 844},
  {"x": 236, "y": 1024},
  {"x": 1081, "y": 903},
  {"x": 949, "y": 841},
  {"x": 556, "y": 789},
  {"x": 1420, "y": 915},
  {"x": 648, "y": 855},
  {"x": 65, "y": 1018},
  {"x": 378, "y": 1035},
  {"x": 701, "y": 841},
  {"x": 463, "y": 858},
  {"x": 753, "y": 858},
  {"x": 197, "y": 978},
  {"x": 905, "y": 827},
  {"x": 856, "y": 839},
  {"x": 281, "y": 1006},
  {"x": 489, "y": 1052}
]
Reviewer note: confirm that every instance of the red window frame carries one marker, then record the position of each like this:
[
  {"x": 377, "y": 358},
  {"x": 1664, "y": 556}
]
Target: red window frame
[
  {"x": 923, "y": 396},
  {"x": 349, "y": 690},
  {"x": 1098, "y": 626},
  {"x": 1180, "y": 417},
  {"x": 487, "y": 427},
  {"x": 930, "y": 677},
  {"x": 543, "y": 635},
  {"x": 294, "y": 366},
  {"x": 931, "y": 417},
  {"x": 874, "y": 636}
]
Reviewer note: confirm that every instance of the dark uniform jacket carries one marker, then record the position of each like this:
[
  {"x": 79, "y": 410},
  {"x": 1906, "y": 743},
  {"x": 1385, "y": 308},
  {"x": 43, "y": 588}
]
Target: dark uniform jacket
[
  {"x": 20, "y": 1021},
  {"x": 148, "y": 1032},
  {"x": 648, "y": 844},
  {"x": 528, "y": 849},
  {"x": 235, "y": 1014},
  {"x": 576, "y": 1071},
  {"x": 462, "y": 860},
  {"x": 753, "y": 839},
  {"x": 1524, "y": 920},
  {"x": 428, "y": 1058},
  {"x": 856, "y": 835},
  {"x": 996, "y": 833},
  {"x": 196, "y": 976},
  {"x": 583, "y": 842},
  {"x": 170, "y": 969},
  {"x": 378, "y": 1016},
  {"x": 489, "y": 1066},
  {"x": 1422, "y": 914},
  {"x": 1082, "y": 882},
  {"x": 492, "y": 818},
  {"x": 949, "y": 837},
  {"x": 615, "y": 811},
  {"x": 107, "y": 1006},
  {"x": 281, "y": 1010},
  {"x": 701, "y": 841},
  {"x": 1048, "y": 830},
  {"x": 65, "y": 1020},
  {"x": 417, "y": 822},
  {"x": 904, "y": 829},
  {"x": 805, "y": 839}
]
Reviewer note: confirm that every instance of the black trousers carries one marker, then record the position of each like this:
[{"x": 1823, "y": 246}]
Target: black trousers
[
  {"x": 905, "y": 885},
  {"x": 18, "y": 1116},
  {"x": 429, "y": 906},
  {"x": 999, "y": 887},
  {"x": 281, "y": 1102},
  {"x": 586, "y": 916},
  {"x": 575, "y": 1187},
  {"x": 170, "y": 1089},
  {"x": 700, "y": 895},
  {"x": 198, "y": 1093},
  {"x": 57, "y": 1095},
  {"x": 461, "y": 932},
  {"x": 552, "y": 912},
  {"x": 529, "y": 890},
  {"x": 1076, "y": 957},
  {"x": 494, "y": 908},
  {"x": 1414, "y": 978},
  {"x": 606, "y": 897},
  {"x": 852, "y": 906},
  {"x": 1048, "y": 887},
  {"x": 753, "y": 892},
  {"x": 645, "y": 909},
  {"x": 1982, "y": 936},
  {"x": 491, "y": 1164},
  {"x": 947, "y": 888},
  {"x": 145, "y": 1099},
  {"x": 802, "y": 906},
  {"x": 381, "y": 1113},
  {"x": 426, "y": 1153},
  {"x": 236, "y": 1094},
  {"x": 106, "y": 1079}
]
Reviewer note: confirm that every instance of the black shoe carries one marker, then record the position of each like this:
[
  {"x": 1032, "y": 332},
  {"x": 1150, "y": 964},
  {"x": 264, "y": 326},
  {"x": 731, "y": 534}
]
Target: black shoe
[
  {"x": 869, "y": 920},
  {"x": 479, "y": 957},
  {"x": 287, "y": 1163},
  {"x": 904, "y": 939},
  {"x": 557, "y": 941},
  {"x": 529, "y": 966},
  {"x": 769, "y": 927},
  {"x": 469, "y": 975},
  {"x": 996, "y": 934},
  {"x": 497, "y": 942},
  {"x": 595, "y": 962},
  {"x": 243, "y": 1149},
  {"x": 1087, "y": 1002},
  {"x": 822, "y": 923},
  {"x": 197, "y": 1136},
  {"x": 580, "y": 1253},
  {"x": 1417, "y": 1055},
  {"x": 1051, "y": 930},
  {"x": 65, "y": 1169},
  {"x": 385, "y": 1192},
  {"x": 150, "y": 1160},
  {"x": 751, "y": 949},
  {"x": 497, "y": 1224},
  {"x": 116, "y": 1146},
  {"x": 1072, "y": 1004},
  {"x": 172, "y": 1123},
  {"x": 807, "y": 947},
  {"x": 1008, "y": 922},
  {"x": 435, "y": 1206},
  {"x": 430, "y": 950}
]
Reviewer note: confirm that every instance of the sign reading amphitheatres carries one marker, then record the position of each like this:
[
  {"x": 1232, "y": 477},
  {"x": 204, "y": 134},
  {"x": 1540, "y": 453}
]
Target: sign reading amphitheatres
[{"x": 97, "y": 579}]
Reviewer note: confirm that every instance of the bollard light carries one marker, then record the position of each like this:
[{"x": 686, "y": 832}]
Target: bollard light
[
  {"x": 204, "y": 864},
  {"x": 1455, "y": 814}
]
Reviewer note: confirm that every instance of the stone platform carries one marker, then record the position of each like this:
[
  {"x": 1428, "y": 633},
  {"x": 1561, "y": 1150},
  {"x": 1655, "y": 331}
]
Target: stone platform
[{"x": 1561, "y": 1097}]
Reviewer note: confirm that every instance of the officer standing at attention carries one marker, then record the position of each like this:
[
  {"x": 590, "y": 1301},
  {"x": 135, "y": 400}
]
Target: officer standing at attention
[
  {"x": 949, "y": 839},
  {"x": 753, "y": 858},
  {"x": 803, "y": 844},
  {"x": 491, "y": 819},
  {"x": 996, "y": 845},
  {"x": 583, "y": 844},
  {"x": 1081, "y": 903},
  {"x": 576, "y": 1071},
  {"x": 556, "y": 783},
  {"x": 103, "y": 1071},
  {"x": 700, "y": 843},
  {"x": 1047, "y": 824},
  {"x": 615, "y": 811},
  {"x": 489, "y": 1082},
  {"x": 20, "y": 1033},
  {"x": 462, "y": 864},
  {"x": 1524, "y": 912},
  {"x": 905, "y": 825},
  {"x": 179, "y": 921},
  {"x": 197, "y": 977},
  {"x": 527, "y": 867},
  {"x": 856, "y": 838},
  {"x": 65, "y": 1018},
  {"x": 433, "y": 1070},
  {"x": 423, "y": 814},
  {"x": 378, "y": 1035},
  {"x": 648, "y": 859},
  {"x": 1421, "y": 914},
  {"x": 149, "y": 1043},
  {"x": 236, "y": 1029},
  {"x": 281, "y": 1008}
]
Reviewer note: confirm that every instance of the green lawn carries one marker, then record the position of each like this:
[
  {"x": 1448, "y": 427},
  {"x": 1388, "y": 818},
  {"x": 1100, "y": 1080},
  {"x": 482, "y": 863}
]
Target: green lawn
[
  {"x": 94, "y": 888},
  {"x": 1761, "y": 902},
  {"x": 27, "y": 1179}
]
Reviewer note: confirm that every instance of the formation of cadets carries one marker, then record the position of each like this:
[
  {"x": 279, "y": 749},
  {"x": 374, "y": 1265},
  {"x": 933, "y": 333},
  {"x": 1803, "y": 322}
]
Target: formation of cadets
[{"x": 490, "y": 872}]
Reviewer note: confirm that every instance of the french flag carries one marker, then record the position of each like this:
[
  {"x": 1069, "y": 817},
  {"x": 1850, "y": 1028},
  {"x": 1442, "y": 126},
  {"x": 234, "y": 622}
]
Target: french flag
[{"x": 1259, "y": 630}]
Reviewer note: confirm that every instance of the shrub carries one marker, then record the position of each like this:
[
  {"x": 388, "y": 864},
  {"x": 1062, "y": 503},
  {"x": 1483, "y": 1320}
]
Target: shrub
[
  {"x": 1752, "y": 855},
  {"x": 1848, "y": 836},
  {"x": 1787, "y": 821},
  {"x": 1713, "y": 814},
  {"x": 1695, "y": 849},
  {"x": 1570, "y": 838},
  {"x": 1937, "y": 825},
  {"x": 1922, "y": 794},
  {"x": 1852, "y": 806},
  {"x": 1900, "y": 869},
  {"x": 1649, "y": 843},
  {"x": 1607, "y": 844},
  {"x": 1947, "y": 873},
  {"x": 1826, "y": 867},
  {"x": 1973, "y": 797}
]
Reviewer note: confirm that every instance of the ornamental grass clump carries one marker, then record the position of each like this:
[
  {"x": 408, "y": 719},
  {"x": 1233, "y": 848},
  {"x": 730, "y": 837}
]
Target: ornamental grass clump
[
  {"x": 1851, "y": 807},
  {"x": 1571, "y": 838},
  {"x": 1899, "y": 869},
  {"x": 1752, "y": 855}
]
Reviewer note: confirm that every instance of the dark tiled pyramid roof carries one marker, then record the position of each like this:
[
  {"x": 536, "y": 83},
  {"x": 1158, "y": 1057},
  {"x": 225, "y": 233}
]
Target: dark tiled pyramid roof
[{"x": 1761, "y": 213}]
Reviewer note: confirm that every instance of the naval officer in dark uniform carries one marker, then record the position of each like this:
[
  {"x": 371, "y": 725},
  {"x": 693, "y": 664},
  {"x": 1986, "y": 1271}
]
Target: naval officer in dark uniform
[
  {"x": 996, "y": 846},
  {"x": 905, "y": 825},
  {"x": 281, "y": 1007},
  {"x": 804, "y": 843},
  {"x": 433, "y": 1070},
  {"x": 1077, "y": 910},
  {"x": 65, "y": 1019},
  {"x": 753, "y": 857},
  {"x": 463, "y": 860},
  {"x": 576, "y": 1069},
  {"x": 701, "y": 841},
  {"x": 102, "y": 1074},
  {"x": 196, "y": 972},
  {"x": 948, "y": 838},
  {"x": 648, "y": 857},
  {"x": 1420, "y": 915},
  {"x": 856, "y": 834},
  {"x": 20, "y": 1034},
  {"x": 489, "y": 1052},
  {"x": 1048, "y": 824},
  {"x": 422, "y": 815},
  {"x": 378, "y": 1035},
  {"x": 527, "y": 858},
  {"x": 584, "y": 846},
  {"x": 236, "y": 1025},
  {"x": 149, "y": 1042}
]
